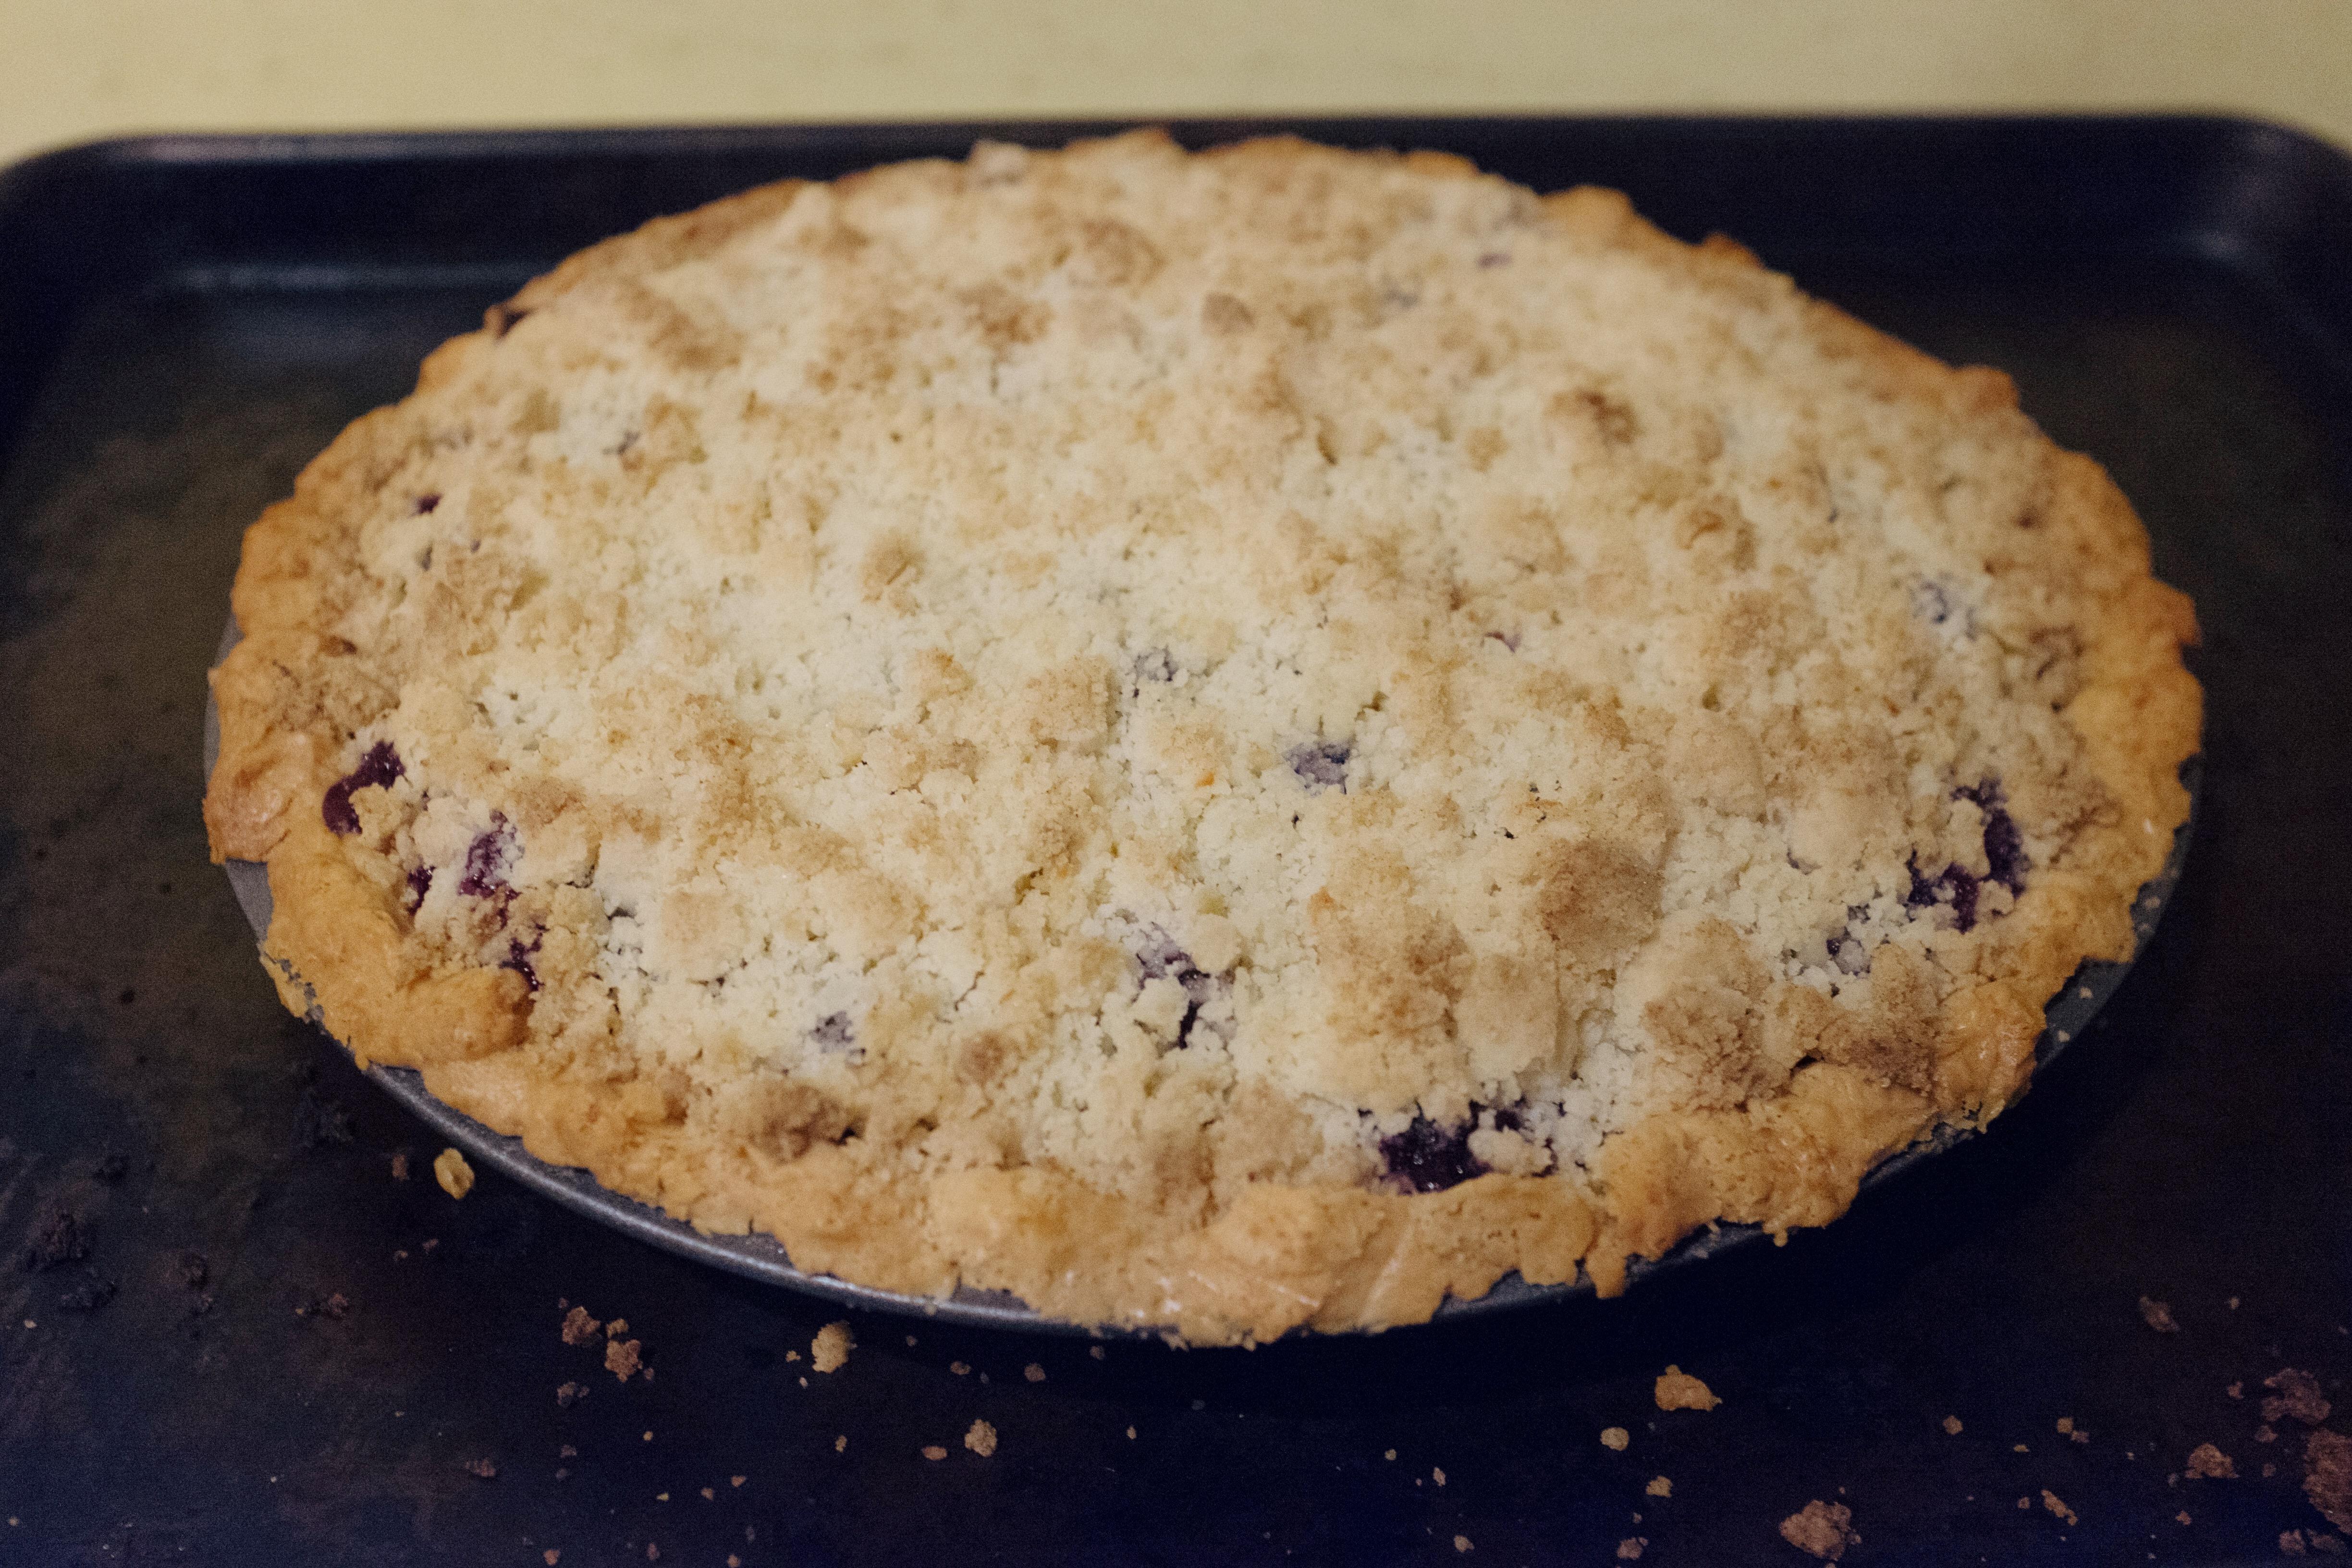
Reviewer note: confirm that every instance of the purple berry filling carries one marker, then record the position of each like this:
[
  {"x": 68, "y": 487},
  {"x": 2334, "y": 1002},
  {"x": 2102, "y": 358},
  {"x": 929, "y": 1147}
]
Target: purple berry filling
[
  {"x": 420, "y": 882},
  {"x": 518, "y": 958},
  {"x": 428, "y": 501},
  {"x": 488, "y": 858},
  {"x": 377, "y": 770},
  {"x": 1428, "y": 1158},
  {"x": 1162, "y": 959},
  {"x": 1955, "y": 885},
  {"x": 2004, "y": 844},
  {"x": 1322, "y": 765}
]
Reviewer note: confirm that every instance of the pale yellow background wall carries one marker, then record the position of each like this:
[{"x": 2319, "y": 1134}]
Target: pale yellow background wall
[{"x": 72, "y": 69}]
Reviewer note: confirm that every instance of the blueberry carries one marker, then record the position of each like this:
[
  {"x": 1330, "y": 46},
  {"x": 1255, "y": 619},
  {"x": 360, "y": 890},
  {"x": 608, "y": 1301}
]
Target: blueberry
[
  {"x": 487, "y": 859},
  {"x": 1933, "y": 602},
  {"x": 1955, "y": 885},
  {"x": 378, "y": 769},
  {"x": 1322, "y": 765},
  {"x": 1428, "y": 1158},
  {"x": 420, "y": 882},
  {"x": 2004, "y": 846},
  {"x": 1162, "y": 959},
  {"x": 832, "y": 1032},
  {"x": 518, "y": 957},
  {"x": 428, "y": 501}
]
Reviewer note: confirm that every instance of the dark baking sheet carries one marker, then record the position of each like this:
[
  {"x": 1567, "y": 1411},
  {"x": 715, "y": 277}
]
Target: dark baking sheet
[{"x": 183, "y": 322}]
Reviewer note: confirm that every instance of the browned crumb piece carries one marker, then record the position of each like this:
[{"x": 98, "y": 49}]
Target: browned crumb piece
[
  {"x": 1461, "y": 1543},
  {"x": 1615, "y": 1438},
  {"x": 933, "y": 1451},
  {"x": 1659, "y": 1487},
  {"x": 570, "y": 1393},
  {"x": 2327, "y": 1475},
  {"x": 2291, "y": 1544},
  {"x": 2065, "y": 1423},
  {"x": 2298, "y": 1396},
  {"x": 735, "y": 1481},
  {"x": 621, "y": 1358},
  {"x": 653, "y": 1553},
  {"x": 1678, "y": 1390},
  {"x": 1630, "y": 1549},
  {"x": 1822, "y": 1529},
  {"x": 981, "y": 1439},
  {"x": 1438, "y": 1475},
  {"x": 841, "y": 1443},
  {"x": 550, "y": 1557},
  {"x": 1952, "y": 1426},
  {"x": 1096, "y": 1351},
  {"x": 400, "y": 1173},
  {"x": 331, "y": 1304},
  {"x": 567, "y": 1452},
  {"x": 2182, "y": 1517},
  {"x": 455, "y": 1176},
  {"x": 2207, "y": 1462},
  {"x": 616, "y": 1328},
  {"x": 2236, "y": 1391},
  {"x": 579, "y": 1328},
  {"x": 829, "y": 1352},
  {"x": 2023, "y": 1503},
  {"x": 1034, "y": 1373},
  {"x": 2265, "y": 1434},
  {"x": 2158, "y": 1315},
  {"x": 2050, "y": 1500},
  {"x": 487, "y": 1469}
]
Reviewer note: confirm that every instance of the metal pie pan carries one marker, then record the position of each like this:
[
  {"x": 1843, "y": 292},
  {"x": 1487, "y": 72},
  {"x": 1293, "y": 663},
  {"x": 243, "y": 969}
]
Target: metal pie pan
[{"x": 762, "y": 1257}]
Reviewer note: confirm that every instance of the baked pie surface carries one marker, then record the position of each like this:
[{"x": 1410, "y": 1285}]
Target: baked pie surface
[{"x": 1221, "y": 741}]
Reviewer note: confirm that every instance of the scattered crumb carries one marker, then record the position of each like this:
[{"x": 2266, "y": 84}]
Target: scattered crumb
[
  {"x": 400, "y": 1173},
  {"x": 1952, "y": 1426},
  {"x": 1096, "y": 1351},
  {"x": 829, "y": 1352},
  {"x": 2236, "y": 1391},
  {"x": 981, "y": 1439},
  {"x": 1390, "y": 1456},
  {"x": 1630, "y": 1549},
  {"x": 570, "y": 1393},
  {"x": 653, "y": 1553},
  {"x": 960, "y": 1368},
  {"x": 621, "y": 1358},
  {"x": 2291, "y": 1544},
  {"x": 2327, "y": 1545},
  {"x": 2065, "y": 1423},
  {"x": 2207, "y": 1462},
  {"x": 2233, "y": 1303},
  {"x": 933, "y": 1451},
  {"x": 661, "y": 1496},
  {"x": 1034, "y": 1373},
  {"x": 2023, "y": 1503},
  {"x": 2019, "y": 1448},
  {"x": 1438, "y": 1475},
  {"x": 1659, "y": 1487},
  {"x": 567, "y": 1452},
  {"x": 455, "y": 1176},
  {"x": 733, "y": 1560},
  {"x": 2182, "y": 1517},
  {"x": 1823, "y": 1529},
  {"x": 735, "y": 1481},
  {"x": 649, "y": 1437},
  {"x": 708, "y": 1496},
  {"x": 2158, "y": 1315},
  {"x": 2327, "y": 1475},
  {"x": 550, "y": 1557},
  {"x": 1614, "y": 1437},
  {"x": 487, "y": 1469},
  {"x": 616, "y": 1328},
  {"x": 1678, "y": 1390},
  {"x": 2265, "y": 1434},
  {"x": 1461, "y": 1543},
  {"x": 792, "y": 1355},
  {"x": 2050, "y": 1501},
  {"x": 1130, "y": 1437},
  {"x": 333, "y": 1305},
  {"x": 579, "y": 1328},
  {"x": 428, "y": 1244},
  {"x": 840, "y": 1444},
  {"x": 2298, "y": 1396}
]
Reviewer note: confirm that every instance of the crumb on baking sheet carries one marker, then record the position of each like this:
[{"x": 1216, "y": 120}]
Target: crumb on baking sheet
[
  {"x": 621, "y": 1358},
  {"x": 2297, "y": 1394},
  {"x": 1096, "y": 1351},
  {"x": 1823, "y": 1529},
  {"x": 1630, "y": 1549},
  {"x": 841, "y": 1444},
  {"x": 2207, "y": 1462},
  {"x": 487, "y": 1469},
  {"x": 1438, "y": 1475},
  {"x": 2327, "y": 1475},
  {"x": 550, "y": 1557},
  {"x": 1615, "y": 1438},
  {"x": 455, "y": 1176},
  {"x": 567, "y": 1394},
  {"x": 400, "y": 1165},
  {"x": 1952, "y": 1426},
  {"x": 579, "y": 1328},
  {"x": 933, "y": 1451},
  {"x": 1659, "y": 1487},
  {"x": 1678, "y": 1390},
  {"x": 2051, "y": 1501},
  {"x": 2156, "y": 1315},
  {"x": 1461, "y": 1543},
  {"x": 1034, "y": 1373},
  {"x": 981, "y": 1439},
  {"x": 829, "y": 1352}
]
